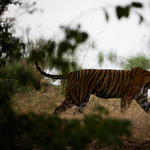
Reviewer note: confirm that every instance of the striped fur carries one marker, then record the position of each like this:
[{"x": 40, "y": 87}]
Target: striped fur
[{"x": 124, "y": 84}]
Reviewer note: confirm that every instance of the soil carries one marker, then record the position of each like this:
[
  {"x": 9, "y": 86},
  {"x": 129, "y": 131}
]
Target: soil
[{"x": 130, "y": 145}]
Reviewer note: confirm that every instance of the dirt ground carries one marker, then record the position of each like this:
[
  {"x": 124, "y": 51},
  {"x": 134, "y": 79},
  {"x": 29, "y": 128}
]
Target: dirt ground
[
  {"x": 130, "y": 145},
  {"x": 50, "y": 96}
]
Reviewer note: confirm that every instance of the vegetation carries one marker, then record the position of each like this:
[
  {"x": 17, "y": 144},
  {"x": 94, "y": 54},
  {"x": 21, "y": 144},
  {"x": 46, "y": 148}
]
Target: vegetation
[
  {"x": 44, "y": 103},
  {"x": 44, "y": 130},
  {"x": 124, "y": 11},
  {"x": 101, "y": 58},
  {"x": 51, "y": 132},
  {"x": 139, "y": 60},
  {"x": 111, "y": 56}
]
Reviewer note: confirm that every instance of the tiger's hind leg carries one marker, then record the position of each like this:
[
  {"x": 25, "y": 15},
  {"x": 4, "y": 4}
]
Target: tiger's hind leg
[
  {"x": 63, "y": 107},
  {"x": 142, "y": 100},
  {"x": 81, "y": 106}
]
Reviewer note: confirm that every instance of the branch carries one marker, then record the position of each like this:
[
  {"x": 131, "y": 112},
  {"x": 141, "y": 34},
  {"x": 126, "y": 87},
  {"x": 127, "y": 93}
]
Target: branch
[{"x": 3, "y": 5}]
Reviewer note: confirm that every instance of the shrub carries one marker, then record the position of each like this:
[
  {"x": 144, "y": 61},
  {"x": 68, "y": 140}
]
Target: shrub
[
  {"x": 140, "y": 60},
  {"x": 48, "y": 132}
]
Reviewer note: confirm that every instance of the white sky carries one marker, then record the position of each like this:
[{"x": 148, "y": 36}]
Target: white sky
[{"x": 126, "y": 37}]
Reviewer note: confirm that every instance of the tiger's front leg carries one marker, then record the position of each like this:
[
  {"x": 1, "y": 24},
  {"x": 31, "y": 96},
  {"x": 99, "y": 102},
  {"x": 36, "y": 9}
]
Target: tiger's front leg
[
  {"x": 63, "y": 107},
  {"x": 81, "y": 107},
  {"x": 70, "y": 101}
]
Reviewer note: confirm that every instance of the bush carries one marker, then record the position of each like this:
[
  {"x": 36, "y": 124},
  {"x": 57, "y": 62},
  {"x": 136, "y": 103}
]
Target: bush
[
  {"x": 101, "y": 58},
  {"x": 48, "y": 132},
  {"x": 20, "y": 76},
  {"x": 112, "y": 56},
  {"x": 140, "y": 60}
]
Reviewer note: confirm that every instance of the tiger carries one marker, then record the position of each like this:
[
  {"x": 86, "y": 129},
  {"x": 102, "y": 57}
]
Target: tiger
[{"x": 103, "y": 83}]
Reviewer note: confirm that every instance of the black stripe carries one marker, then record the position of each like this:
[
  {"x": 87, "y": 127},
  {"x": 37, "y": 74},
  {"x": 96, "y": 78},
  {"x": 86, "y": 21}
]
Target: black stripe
[
  {"x": 89, "y": 75},
  {"x": 102, "y": 80},
  {"x": 91, "y": 81},
  {"x": 94, "y": 83},
  {"x": 146, "y": 84},
  {"x": 125, "y": 80},
  {"x": 111, "y": 93},
  {"x": 108, "y": 82},
  {"x": 97, "y": 83},
  {"x": 143, "y": 101},
  {"x": 144, "y": 71}
]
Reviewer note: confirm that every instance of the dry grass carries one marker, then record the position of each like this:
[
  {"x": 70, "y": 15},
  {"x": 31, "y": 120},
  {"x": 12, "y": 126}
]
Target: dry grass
[
  {"x": 37, "y": 101},
  {"x": 139, "y": 119},
  {"x": 47, "y": 100}
]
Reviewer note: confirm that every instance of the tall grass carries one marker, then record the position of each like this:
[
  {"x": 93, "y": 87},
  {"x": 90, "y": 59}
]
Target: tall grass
[
  {"x": 16, "y": 75},
  {"x": 140, "y": 60}
]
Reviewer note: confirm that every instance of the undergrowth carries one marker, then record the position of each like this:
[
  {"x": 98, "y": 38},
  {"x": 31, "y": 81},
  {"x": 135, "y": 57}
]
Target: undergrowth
[{"x": 15, "y": 75}]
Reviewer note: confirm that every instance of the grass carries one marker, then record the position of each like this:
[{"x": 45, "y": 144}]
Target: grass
[{"x": 46, "y": 100}]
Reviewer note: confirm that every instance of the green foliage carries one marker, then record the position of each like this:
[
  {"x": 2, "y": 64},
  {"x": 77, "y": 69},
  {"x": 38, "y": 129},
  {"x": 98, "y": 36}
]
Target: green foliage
[
  {"x": 48, "y": 132},
  {"x": 17, "y": 76},
  {"x": 112, "y": 57},
  {"x": 124, "y": 11},
  {"x": 73, "y": 37},
  {"x": 57, "y": 53},
  {"x": 106, "y": 15},
  {"x": 9, "y": 75},
  {"x": 5, "y": 3},
  {"x": 140, "y": 60},
  {"x": 11, "y": 48},
  {"x": 101, "y": 58},
  {"x": 60, "y": 56}
]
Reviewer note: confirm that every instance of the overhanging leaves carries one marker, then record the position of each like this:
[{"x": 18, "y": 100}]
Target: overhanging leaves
[
  {"x": 137, "y": 5},
  {"x": 122, "y": 11}
]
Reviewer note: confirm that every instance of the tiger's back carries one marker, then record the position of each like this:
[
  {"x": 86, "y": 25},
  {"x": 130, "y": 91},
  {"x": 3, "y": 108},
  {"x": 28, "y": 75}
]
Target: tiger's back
[{"x": 103, "y": 83}]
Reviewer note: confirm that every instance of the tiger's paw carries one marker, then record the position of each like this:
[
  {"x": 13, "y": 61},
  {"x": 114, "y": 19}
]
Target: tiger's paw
[
  {"x": 56, "y": 113},
  {"x": 77, "y": 113}
]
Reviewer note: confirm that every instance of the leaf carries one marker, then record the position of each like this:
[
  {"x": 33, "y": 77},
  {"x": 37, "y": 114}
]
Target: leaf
[
  {"x": 137, "y": 5},
  {"x": 141, "y": 19},
  {"x": 122, "y": 12},
  {"x": 101, "y": 58},
  {"x": 119, "y": 12},
  {"x": 126, "y": 11},
  {"x": 106, "y": 16}
]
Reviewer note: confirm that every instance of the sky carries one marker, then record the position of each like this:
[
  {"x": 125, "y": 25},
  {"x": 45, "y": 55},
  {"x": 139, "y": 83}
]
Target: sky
[{"x": 126, "y": 36}]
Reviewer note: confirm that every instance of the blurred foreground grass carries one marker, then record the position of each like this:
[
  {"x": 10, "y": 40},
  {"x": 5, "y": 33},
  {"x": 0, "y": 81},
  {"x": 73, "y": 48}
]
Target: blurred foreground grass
[{"x": 46, "y": 100}]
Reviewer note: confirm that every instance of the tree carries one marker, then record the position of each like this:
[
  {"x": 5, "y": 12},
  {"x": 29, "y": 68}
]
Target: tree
[
  {"x": 124, "y": 11},
  {"x": 11, "y": 48}
]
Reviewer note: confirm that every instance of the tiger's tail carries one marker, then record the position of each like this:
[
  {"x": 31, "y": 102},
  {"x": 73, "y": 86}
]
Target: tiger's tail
[{"x": 49, "y": 75}]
